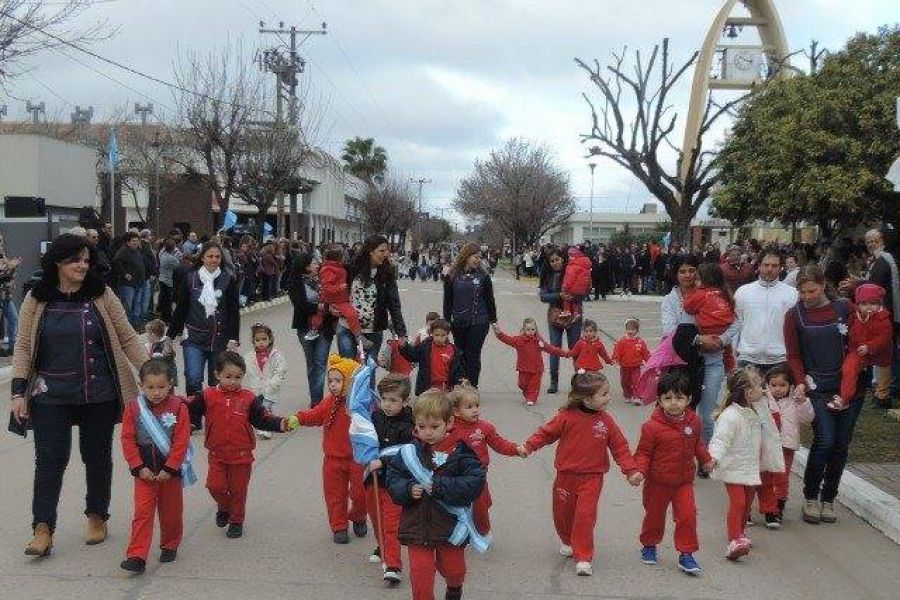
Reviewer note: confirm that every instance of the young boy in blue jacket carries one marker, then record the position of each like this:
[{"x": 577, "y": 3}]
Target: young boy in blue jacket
[{"x": 433, "y": 479}]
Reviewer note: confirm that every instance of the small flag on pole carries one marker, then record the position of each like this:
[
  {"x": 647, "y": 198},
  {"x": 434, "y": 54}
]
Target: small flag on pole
[{"x": 360, "y": 400}]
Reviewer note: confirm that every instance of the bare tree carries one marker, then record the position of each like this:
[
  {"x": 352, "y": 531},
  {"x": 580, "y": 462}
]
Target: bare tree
[
  {"x": 640, "y": 143},
  {"x": 30, "y": 26},
  {"x": 389, "y": 209},
  {"x": 519, "y": 189}
]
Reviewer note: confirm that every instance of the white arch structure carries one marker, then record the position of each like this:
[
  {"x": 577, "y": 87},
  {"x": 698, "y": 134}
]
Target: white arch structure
[{"x": 765, "y": 18}]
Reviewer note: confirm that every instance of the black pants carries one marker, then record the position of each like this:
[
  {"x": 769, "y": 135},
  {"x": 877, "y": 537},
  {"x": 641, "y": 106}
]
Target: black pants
[
  {"x": 52, "y": 446},
  {"x": 166, "y": 298},
  {"x": 470, "y": 340}
]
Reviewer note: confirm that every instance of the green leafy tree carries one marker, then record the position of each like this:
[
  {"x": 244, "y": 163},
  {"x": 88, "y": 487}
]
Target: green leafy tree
[
  {"x": 816, "y": 148},
  {"x": 365, "y": 160}
]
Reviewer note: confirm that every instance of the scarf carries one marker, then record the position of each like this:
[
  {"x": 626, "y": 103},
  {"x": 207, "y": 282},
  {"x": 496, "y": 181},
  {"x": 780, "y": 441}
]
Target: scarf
[
  {"x": 208, "y": 294},
  {"x": 895, "y": 282}
]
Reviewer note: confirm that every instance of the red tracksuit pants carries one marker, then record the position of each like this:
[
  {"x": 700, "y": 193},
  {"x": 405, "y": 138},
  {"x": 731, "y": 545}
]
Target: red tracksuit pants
[
  {"x": 765, "y": 493},
  {"x": 342, "y": 480},
  {"x": 530, "y": 384},
  {"x": 424, "y": 561},
  {"x": 150, "y": 498},
  {"x": 657, "y": 497},
  {"x": 481, "y": 511},
  {"x": 629, "y": 377},
  {"x": 575, "y": 501},
  {"x": 853, "y": 365},
  {"x": 227, "y": 484},
  {"x": 740, "y": 497},
  {"x": 782, "y": 481},
  {"x": 386, "y": 525}
]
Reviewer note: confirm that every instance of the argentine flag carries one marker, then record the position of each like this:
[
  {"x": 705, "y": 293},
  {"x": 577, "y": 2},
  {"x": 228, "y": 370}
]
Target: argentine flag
[{"x": 363, "y": 438}]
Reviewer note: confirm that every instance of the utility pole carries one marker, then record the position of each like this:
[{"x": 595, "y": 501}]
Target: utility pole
[
  {"x": 36, "y": 111},
  {"x": 82, "y": 116},
  {"x": 591, "y": 217},
  {"x": 421, "y": 183},
  {"x": 143, "y": 111},
  {"x": 287, "y": 69}
]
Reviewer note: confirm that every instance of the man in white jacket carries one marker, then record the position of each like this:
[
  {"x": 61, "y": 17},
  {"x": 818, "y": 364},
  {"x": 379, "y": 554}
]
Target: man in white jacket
[{"x": 761, "y": 307}]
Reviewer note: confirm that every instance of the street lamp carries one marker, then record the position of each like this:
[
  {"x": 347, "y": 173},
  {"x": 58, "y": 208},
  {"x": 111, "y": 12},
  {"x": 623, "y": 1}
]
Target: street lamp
[{"x": 592, "y": 166}]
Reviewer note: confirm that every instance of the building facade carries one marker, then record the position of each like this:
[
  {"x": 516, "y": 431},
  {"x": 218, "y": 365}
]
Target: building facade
[{"x": 599, "y": 227}]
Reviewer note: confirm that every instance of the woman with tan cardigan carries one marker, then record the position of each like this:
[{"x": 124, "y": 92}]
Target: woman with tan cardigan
[{"x": 72, "y": 366}]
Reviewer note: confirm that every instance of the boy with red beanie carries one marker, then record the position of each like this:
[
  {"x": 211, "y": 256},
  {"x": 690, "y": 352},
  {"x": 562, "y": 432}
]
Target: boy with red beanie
[
  {"x": 630, "y": 352},
  {"x": 342, "y": 477}
]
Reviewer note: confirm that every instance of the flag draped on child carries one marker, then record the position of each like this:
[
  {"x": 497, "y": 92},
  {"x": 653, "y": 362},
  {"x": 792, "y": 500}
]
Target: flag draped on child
[{"x": 360, "y": 401}]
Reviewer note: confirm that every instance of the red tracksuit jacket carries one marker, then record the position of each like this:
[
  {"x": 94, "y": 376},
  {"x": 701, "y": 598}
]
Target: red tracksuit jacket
[
  {"x": 140, "y": 452},
  {"x": 587, "y": 354},
  {"x": 630, "y": 352},
  {"x": 584, "y": 438},
  {"x": 399, "y": 364},
  {"x": 668, "y": 450},
  {"x": 479, "y": 436},
  {"x": 330, "y": 414},
  {"x": 876, "y": 333},
  {"x": 230, "y": 420},
  {"x": 577, "y": 276},
  {"x": 333, "y": 281},
  {"x": 528, "y": 351},
  {"x": 712, "y": 311}
]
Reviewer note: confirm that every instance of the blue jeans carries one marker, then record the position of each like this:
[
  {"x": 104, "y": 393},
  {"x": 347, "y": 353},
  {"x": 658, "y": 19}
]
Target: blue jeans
[
  {"x": 832, "y": 434},
  {"x": 10, "y": 321},
  {"x": 316, "y": 353},
  {"x": 573, "y": 334},
  {"x": 713, "y": 375},
  {"x": 131, "y": 297},
  {"x": 195, "y": 358},
  {"x": 346, "y": 342},
  {"x": 146, "y": 292}
]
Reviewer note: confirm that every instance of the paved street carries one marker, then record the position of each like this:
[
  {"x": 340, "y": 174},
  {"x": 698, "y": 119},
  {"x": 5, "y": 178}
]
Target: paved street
[{"x": 287, "y": 550}]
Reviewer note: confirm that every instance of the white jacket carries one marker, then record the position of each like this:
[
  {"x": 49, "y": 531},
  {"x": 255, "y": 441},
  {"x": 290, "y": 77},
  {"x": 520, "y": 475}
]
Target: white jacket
[
  {"x": 268, "y": 381},
  {"x": 760, "y": 308},
  {"x": 792, "y": 415},
  {"x": 735, "y": 445},
  {"x": 771, "y": 458}
]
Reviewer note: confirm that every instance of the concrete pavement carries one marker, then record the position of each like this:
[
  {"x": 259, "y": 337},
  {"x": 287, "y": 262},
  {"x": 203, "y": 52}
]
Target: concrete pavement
[{"x": 287, "y": 550}]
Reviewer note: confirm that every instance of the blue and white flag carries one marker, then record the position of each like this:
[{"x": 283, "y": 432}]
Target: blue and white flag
[
  {"x": 361, "y": 401},
  {"x": 154, "y": 429},
  {"x": 113, "y": 151}
]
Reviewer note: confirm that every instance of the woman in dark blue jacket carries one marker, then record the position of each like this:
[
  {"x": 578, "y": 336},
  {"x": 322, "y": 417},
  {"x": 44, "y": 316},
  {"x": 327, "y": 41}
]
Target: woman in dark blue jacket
[
  {"x": 551, "y": 294},
  {"x": 469, "y": 307}
]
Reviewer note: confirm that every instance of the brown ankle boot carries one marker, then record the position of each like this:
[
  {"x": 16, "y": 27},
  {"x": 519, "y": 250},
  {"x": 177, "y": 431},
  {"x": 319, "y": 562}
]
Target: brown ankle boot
[
  {"x": 42, "y": 542},
  {"x": 96, "y": 530}
]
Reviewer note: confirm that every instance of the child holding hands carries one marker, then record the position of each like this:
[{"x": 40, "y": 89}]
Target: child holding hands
[
  {"x": 266, "y": 369},
  {"x": 589, "y": 353},
  {"x": 586, "y": 434},
  {"x": 630, "y": 352},
  {"x": 529, "y": 360}
]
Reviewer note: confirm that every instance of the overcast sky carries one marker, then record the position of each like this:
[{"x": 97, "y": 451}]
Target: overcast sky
[{"x": 438, "y": 83}]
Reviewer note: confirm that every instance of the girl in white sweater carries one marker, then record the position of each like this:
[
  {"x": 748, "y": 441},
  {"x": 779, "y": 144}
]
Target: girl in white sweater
[
  {"x": 745, "y": 442},
  {"x": 266, "y": 369}
]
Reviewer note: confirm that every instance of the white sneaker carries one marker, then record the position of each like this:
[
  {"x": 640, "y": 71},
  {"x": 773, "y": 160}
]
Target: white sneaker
[
  {"x": 529, "y": 403},
  {"x": 311, "y": 335},
  {"x": 264, "y": 435},
  {"x": 565, "y": 550},
  {"x": 584, "y": 568},
  {"x": 392, "y": 577}
]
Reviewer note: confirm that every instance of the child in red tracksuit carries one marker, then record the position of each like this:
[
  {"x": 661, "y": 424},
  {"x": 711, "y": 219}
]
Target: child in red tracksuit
[
  {"x": 712, "y": 306},
  {"x": 667, "y": 456},
  {"x": 589, "y": 353},
  {"x": 426, "y": 524},
  {"x": 630, "y": 352},
  {"x": 576, "y": 278},
  {"x": 529, "y": 360},
  {"x": 389, "y": 358},
  {"x": 232, "y": 413},
  {"x": 586, "y": 434},
  {"x": 394, "y": 425},
  {"x": 342, "y": 477},
  {"x": 479, "y": 435},
  {"x": 157, "y": 476},
  {"x": 334, "y": 292},
  {"x": 870, "y": 341}
]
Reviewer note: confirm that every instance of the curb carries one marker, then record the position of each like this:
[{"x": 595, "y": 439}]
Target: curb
[
  {"x": 873, "y": 505},
  {"x": 6, "y": 372}
]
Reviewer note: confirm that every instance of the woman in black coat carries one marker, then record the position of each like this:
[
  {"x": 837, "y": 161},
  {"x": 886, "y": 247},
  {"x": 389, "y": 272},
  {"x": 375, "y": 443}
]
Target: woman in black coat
[
  {"x": 303, "y": 290},
  {"x": 469, "y": 307}
]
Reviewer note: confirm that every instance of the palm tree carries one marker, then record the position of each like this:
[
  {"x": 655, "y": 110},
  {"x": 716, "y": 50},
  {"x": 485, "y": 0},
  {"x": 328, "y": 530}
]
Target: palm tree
[{"x": 365, "y": 160}]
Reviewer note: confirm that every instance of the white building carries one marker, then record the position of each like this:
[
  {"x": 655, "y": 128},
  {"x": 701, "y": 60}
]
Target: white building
[{"x": 599, "y": 227}]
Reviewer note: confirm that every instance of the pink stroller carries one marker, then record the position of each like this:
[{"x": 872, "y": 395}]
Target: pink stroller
[{"x": 662, "y": 358}]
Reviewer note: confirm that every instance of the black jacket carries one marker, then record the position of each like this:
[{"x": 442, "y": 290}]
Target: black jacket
[
  {"x": 130, "y": 261},
  {"x": 880, "y": 275},
  {"x": 391, "y": 432},
  {"x": 303, "y": 308},
  {"x": 209, "y": 333},
  {"x": 387, "y": 301},
  {"x": 462, "y": 311},
  {"x": 458, "y": 482},
  {"x": 421, "y": 355}
]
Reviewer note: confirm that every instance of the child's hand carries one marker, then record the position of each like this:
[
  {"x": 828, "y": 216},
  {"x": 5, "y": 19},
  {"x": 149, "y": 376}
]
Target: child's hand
[
  {"x": 863, "y": 350},
  {"x": 290, "y": 423},
  {"x": 711, "y": 466},
  {"x": 636, "y": 478},
  {"x": 146, "y": 474},
  {"x": 522, "y": 451},
  {"x": 375, "y": 465},
  {"x": 416, "y": 491},
  {"x": 163, "y": 476}
]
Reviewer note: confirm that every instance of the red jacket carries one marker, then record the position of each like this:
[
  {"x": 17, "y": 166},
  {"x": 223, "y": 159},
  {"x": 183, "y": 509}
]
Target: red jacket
[
  {"x": 668, "y": 450},
  {"x": 630, "y": 352},
  {"x": 587, "y": 354},
  {"x": 528, "y": 351},
  {"x": 333, "y": 281},
  {"x": 876, "y": 333},
  {"x": 713, "y": 313},
  {"x": 230, "y": 420},
  {"x": 139, "y": 449},
  {"x": 330, "y": 414},
  {"x": 399, "y": 364},
  {"x": 479, "y": 436},
  {"x": 577, "y": 276},
  {"x": 584, "y": 438}
]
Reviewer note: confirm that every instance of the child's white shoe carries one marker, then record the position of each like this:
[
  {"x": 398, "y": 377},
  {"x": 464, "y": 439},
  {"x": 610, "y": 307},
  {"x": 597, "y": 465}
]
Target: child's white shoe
[
  {"x": 584, "y": 568},
  {"x": 264, "y": 435},
  {"x": 565, "y": 550}
]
